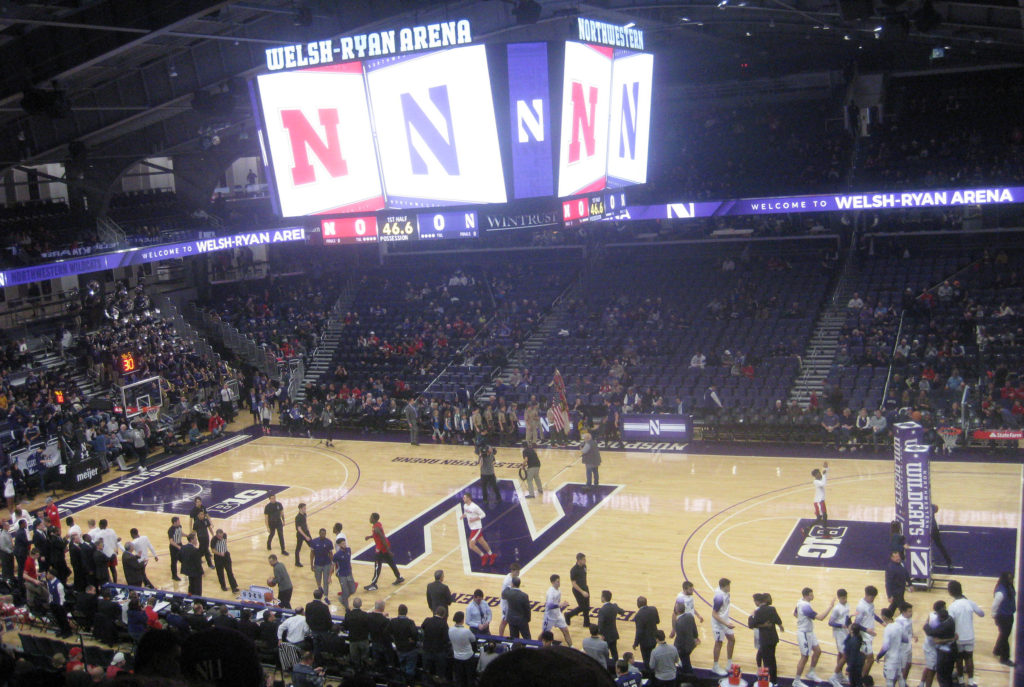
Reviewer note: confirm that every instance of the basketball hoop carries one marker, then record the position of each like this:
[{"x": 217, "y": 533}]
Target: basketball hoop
[
  {"x": 949, "y": 437},
  {"x": 152, "y": 412}
]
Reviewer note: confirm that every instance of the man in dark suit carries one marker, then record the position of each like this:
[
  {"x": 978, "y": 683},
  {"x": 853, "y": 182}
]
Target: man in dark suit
[
  {"x": 197, "y": 619},
  {"x": 518, "y": 615},
  {"x": 107, "y": 625},
  {"x": 687, "y": 639},
  {"x": 438, "y": 593},
  {"x": 223, "y": 620},
  {"x": 77, "y": 566},
  {"x": 646, "y": 620},
  {"x": 85, "y": 606},
  {"x": 102, "y": 564},
  {"x": 88, "y": 559},
  {"x": 134, "y": 568},
  {"x": 606, "y": 625},
  {"x": 247, "y": 627},
  {"x": 268, "y": 630},
  {"x": 192, "y": 565}
]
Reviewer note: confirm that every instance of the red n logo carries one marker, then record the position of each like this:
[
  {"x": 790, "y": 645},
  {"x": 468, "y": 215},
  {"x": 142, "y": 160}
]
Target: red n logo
[
  {"x": 582, "y": 121},
  {"x": 301, "y": 133}
]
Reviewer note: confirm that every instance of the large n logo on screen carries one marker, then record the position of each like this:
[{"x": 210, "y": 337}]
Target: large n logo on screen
[
  {"x": 530, "y": 117},
  {"x": 627, "y": 122},
  {"x": 428, "y": 136},
  {"x": 584, "y": 112},
  {"x": 508, "y": 527},
  {"x": 303, "y": 139}
]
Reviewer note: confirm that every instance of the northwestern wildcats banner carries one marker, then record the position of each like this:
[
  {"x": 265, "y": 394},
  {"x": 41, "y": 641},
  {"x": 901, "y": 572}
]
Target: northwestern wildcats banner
[{"x": 912, "y": 488}]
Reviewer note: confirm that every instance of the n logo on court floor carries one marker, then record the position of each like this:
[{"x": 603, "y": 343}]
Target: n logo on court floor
[{"x": 508, "y": 527}]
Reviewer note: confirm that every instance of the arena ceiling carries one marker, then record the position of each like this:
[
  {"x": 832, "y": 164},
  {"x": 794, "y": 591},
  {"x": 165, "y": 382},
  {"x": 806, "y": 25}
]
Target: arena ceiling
[{"x": 126, "y": 79}]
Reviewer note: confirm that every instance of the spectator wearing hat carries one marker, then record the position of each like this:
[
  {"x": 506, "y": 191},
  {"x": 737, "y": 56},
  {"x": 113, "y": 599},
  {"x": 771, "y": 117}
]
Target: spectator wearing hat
[{"x": 117, "y": 665}]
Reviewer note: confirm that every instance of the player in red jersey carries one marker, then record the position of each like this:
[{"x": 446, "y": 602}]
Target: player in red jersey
[{"x": 382, "y": 553}]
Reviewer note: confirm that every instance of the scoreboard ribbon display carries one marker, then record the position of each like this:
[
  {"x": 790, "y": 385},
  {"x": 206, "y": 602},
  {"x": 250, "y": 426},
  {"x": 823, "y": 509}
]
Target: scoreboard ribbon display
[
  {"x": 600, "y": 206},
  {"x": 387, "y": 228}
]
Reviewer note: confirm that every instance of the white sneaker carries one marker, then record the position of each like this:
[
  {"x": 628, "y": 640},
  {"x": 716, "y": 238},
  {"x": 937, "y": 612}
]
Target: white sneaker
[
  {"x": 797, "y": 682},
  {"x": 835, "y": 681},
  {"x": 717, "y": 670},
  {"x": 813, "y": 676}
]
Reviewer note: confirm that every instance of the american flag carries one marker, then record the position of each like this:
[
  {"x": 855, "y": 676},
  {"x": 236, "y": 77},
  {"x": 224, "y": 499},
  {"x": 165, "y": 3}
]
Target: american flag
[{"x": 561, "y": 415}]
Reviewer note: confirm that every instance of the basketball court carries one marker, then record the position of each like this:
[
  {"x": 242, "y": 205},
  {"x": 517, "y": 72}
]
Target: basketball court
[{"x": 658, "y": 518}]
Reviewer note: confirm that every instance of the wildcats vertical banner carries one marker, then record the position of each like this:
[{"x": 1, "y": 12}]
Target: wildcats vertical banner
[
  {"x": 529, "y": 105},
  {"x": 912, "y": 485}
]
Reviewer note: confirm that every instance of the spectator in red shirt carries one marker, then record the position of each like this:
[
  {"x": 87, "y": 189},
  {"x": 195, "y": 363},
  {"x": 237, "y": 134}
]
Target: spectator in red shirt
[
  {"x": 152, "y": 619},
  {"x": 74, "y": 660},
  {"x": 52, "y": 514},
  {"x": 35, "y": 589},
  {"x": 216, "y": 424},
  {"x": 116, "y": 666}
]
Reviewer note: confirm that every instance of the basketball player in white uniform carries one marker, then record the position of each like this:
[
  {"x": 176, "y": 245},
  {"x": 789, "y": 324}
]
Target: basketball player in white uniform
[
  {"x": 806, "y": 640},
  {"x": 553, "y": 610},
  {"x": 906, "y": 622},
  {"x": 820, "y": 510},
  {"x": 684, "y": 604},
  {"x": 931, "y": 656},
  {"x": 513, "y": 571},
  {"x": 839, "y": 621},
  {"x": 866, "y": 618},
  {"x": 474, "y": 515},
  {"x": 892, "y": 651},
  {"x": 721, "y": 627}
]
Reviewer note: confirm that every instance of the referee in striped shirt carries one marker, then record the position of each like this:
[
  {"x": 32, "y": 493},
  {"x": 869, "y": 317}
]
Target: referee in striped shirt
[{"x": 222, "y": 560}]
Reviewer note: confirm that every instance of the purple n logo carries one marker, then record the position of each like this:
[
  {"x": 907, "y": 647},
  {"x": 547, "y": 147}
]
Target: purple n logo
[
  {"x": 508, "y": 526},
  {"x": 442, "y": 148},
  {"x": 627, "y": 135}
]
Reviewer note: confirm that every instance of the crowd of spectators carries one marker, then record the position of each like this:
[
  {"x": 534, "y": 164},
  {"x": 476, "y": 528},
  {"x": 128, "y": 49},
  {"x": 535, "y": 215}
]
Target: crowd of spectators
[{"x": 287, "y": 314}]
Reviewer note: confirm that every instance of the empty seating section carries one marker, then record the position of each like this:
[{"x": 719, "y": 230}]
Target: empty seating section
[
  {"x": 155, "y": 213},
  {"x": 642, "y": 317},
  {"x": 742, "y": 151},
  {"x": 41, "y": 230},
  {"x": 947, "y": 130}
]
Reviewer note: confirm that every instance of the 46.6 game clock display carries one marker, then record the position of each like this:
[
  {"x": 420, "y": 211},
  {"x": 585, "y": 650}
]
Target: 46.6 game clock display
[{"x": 392, "y": 227}]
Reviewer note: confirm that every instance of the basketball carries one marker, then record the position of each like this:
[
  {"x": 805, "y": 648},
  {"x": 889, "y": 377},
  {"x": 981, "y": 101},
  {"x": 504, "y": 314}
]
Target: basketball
[{"x": 271, "y": 581}]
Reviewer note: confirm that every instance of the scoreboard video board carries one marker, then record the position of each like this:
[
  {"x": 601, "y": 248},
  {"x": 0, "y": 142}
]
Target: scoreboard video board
[
  {"x": 393, "y": 227},
  {"x": 398, "y": 121},
  {"x": 594, "y": 207}
]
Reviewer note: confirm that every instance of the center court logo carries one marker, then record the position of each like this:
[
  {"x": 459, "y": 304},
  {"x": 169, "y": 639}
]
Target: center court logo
[
  {"x": 822, "y": 542},
  {"x": 508, "y": 527}
]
